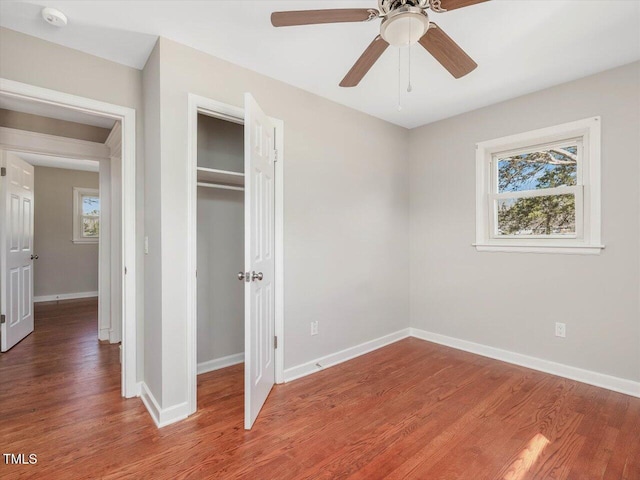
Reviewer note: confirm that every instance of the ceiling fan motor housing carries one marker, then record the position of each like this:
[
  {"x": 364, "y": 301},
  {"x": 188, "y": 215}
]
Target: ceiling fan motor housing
[{"x": 387, "y": 6}]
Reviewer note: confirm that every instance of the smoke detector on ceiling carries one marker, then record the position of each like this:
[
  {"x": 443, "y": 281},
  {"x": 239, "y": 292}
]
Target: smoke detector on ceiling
[{"x": 54, "y": 17}]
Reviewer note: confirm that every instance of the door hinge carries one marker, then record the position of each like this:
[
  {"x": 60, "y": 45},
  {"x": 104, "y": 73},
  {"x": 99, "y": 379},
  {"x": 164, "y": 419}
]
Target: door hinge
[
  {"x": 125, "y": 270},
  {"x": 275, "y": 341},
  {"x": 3, "y": 172},
  {"x": 275, "y": 154},
  {"x": 3, "y": 319}
]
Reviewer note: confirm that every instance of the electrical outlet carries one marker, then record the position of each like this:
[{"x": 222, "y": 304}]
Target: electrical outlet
[
  {"x": 561, "y": 330},
  {"x": 314, "y": 327}
]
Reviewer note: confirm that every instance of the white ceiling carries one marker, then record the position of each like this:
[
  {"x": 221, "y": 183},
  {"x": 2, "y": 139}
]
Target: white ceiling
[
  {"x": 520, "y": 45},
  {"x": 54, "y": 111},
  {"x": 38, "y": 160}
]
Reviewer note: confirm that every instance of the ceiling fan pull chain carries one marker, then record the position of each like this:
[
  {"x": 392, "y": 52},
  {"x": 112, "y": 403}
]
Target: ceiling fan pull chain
[
  {"x": 399, "y": 81},
  {"x": 409, "y": 88}
]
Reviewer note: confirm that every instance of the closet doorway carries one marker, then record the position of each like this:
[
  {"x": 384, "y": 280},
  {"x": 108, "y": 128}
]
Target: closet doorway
[
  {"x": 220, "y": 244},
  {"x": 236, "y": 245}
]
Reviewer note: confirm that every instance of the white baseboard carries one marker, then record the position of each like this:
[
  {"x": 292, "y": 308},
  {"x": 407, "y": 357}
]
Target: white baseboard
[
  {"x": 64, "y": 296},
  {"x": 103, "y": 334},
  {"x": 114, "y": 337},
  {"x": 162, "y": 417},
  {"x": 308, "y": 368},
  {"x": 621, "y": 385},
  {"x": 218, "y": 363},
  {"x": 616, "y": 384}
]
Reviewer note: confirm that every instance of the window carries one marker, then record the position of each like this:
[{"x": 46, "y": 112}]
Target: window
[
  {"x": 540, "y": 191},
  {"x": 86, "y": 215}
]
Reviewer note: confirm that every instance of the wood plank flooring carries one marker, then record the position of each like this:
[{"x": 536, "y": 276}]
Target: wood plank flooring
[{"x": 409, "y": 410}]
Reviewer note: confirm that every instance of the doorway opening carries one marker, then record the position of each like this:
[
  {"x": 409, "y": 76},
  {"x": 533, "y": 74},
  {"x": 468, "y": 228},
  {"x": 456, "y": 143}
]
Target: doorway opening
[
  {"x": 236, "y": 291},
  {"x": 99, "y": 213}
]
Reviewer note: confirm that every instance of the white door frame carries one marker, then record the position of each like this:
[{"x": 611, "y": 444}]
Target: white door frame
[
  {"x": 198, "y": 104},
  {"x": 127, "y": 117}
]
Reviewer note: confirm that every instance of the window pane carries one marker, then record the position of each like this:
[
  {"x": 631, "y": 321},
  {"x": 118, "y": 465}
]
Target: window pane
[
  {"x": 90, "y": 227},
  {"x": 90, "y": 205},
  {"x": 547, "y": 215},
  {"x": 546, "y": 168}
]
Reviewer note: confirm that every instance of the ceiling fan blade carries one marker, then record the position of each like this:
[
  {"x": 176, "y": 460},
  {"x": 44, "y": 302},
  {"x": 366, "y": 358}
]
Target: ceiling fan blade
[
  {"x": 311, "y": 17},
  {"x": 447, "y": 52},
  {"x": 455, "y": 4},
  {"x": 365, "y": 62}
]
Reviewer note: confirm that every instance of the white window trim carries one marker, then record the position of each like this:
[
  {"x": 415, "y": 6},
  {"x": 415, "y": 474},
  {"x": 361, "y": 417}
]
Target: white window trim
[
  {"x": 78, "y": 193},
  {"x": 588, "y": 217}
]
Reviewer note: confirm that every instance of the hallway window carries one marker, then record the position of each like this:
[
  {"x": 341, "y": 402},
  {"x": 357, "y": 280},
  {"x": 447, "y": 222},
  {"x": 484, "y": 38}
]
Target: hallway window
[{"x": 86, "y": 219}]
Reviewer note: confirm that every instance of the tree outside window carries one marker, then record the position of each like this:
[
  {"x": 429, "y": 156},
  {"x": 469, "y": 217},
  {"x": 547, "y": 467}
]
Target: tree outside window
[
  {"x": 538, "y": 171},
  {"x": 90, "y": 216}
]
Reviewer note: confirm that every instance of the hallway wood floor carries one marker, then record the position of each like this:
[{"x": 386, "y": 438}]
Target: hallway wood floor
[{"x": 409, "y": 410}]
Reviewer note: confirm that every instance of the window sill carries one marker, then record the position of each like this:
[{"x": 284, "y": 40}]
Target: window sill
[
  {"x": 549, "y": 248},
  {"x": 86, "y": 242}
]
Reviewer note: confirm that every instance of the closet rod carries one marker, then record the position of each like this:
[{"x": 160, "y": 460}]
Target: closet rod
[{"x": 218, "y": 185}]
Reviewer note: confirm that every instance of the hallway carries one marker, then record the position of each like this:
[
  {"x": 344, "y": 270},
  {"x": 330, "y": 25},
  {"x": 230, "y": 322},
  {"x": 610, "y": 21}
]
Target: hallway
[{"x": 59, "y": 386}]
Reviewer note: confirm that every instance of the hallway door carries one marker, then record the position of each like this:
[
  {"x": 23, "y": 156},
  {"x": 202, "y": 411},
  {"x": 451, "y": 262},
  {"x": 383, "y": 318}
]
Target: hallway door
[{"x": 16, "y": 276}]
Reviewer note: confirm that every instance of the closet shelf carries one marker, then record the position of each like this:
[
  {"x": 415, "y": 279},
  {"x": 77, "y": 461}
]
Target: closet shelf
[{"x": 220, "y": 177}]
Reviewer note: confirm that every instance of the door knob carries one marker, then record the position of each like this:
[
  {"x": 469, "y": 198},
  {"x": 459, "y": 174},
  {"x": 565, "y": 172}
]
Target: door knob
[
  {"x": 256, "y": 276},
  {"x": 243, "y": 276},
  {"x": 34, "y": 257}
]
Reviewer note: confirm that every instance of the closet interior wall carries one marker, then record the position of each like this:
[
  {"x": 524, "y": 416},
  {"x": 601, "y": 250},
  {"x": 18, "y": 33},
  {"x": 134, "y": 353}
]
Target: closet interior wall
[{"x": 220, "y": 243}]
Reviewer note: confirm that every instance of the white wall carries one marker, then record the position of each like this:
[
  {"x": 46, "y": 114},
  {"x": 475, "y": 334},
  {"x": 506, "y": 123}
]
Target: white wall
[
  {"x": 346, "y": 214},
  {"x": 37, "y": 62},
  {"x": 63, "y": 267},
  {"x": 512, "y": 300}
]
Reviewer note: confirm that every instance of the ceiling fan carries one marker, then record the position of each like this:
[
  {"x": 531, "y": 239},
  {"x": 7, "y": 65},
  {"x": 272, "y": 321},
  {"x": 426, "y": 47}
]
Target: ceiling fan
[{"x": 404, "y": 22}]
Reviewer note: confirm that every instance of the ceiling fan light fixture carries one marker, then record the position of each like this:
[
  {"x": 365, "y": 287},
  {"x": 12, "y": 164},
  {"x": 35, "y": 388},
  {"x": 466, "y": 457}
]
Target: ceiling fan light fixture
[{"x": 404, "y": 28}]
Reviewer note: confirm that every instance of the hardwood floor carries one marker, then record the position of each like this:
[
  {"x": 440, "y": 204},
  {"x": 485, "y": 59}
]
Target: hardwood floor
[{"x": 409, "y": 410}]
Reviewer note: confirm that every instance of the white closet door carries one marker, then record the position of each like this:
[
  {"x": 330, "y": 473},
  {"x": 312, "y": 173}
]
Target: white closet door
[
  {"x": 17, "y": 249},
  {"x": 259, "y": 258}
]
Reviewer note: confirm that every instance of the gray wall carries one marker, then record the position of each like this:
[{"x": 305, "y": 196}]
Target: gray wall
[
  {"x": 220, "y": 144},
  {"x": 62, "y": 266},
  {"x": 52, "y": 126},
  {"x": 37, "y": 62},
  {"x": 153, "y": 259},
  {"x": 220, "y": 258},
  {"x": 512, "y": 300},
  {"x": 346, "y": 214}
]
